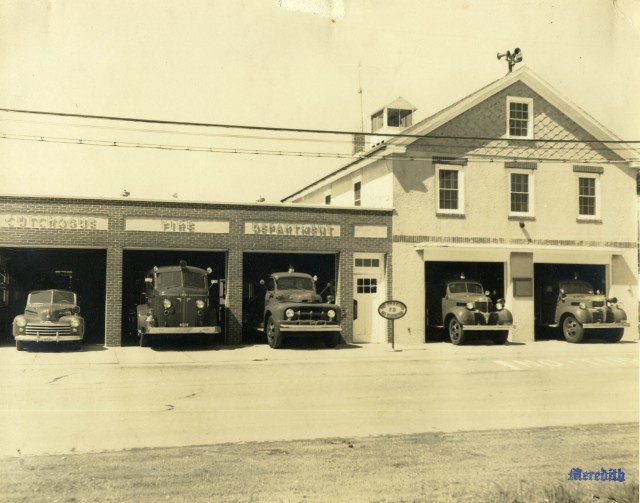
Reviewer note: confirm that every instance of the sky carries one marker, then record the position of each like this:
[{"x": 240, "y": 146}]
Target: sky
[{"x": 297, "y": 64}]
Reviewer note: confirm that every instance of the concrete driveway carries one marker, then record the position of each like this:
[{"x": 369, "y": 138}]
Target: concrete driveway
[{"x": 121, "y": 398}]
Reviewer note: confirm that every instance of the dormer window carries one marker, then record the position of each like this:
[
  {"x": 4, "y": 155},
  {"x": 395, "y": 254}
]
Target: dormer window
[
  {"x": 377, "y": 121},
  {"x": 519, "y": 118},
  {"x": 395, "y": 116},
  {"x": 398, "y": 117}
]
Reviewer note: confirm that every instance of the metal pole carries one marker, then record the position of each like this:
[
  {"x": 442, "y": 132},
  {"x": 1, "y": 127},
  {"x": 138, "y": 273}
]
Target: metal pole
[{"x": 393, "y": 335}]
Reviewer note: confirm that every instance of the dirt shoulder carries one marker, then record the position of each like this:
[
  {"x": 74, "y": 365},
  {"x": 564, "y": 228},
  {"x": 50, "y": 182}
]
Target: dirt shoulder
[{"x": 498, "y": 465}]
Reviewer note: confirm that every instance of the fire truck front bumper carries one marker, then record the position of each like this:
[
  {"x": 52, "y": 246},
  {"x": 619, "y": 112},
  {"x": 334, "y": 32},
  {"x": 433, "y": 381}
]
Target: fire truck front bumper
[
  {"x": 183, "y": 330},
  {"x": 485, "y": 328},
  {"x": 604, "y": 325},
  {"x": 308, "y": 327}
]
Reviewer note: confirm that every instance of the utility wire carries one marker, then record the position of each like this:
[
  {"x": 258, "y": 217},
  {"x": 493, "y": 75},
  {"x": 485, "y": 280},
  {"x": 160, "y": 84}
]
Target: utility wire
[
  {"x": 291, "y": 130},
  {"x": 176, "y": 132},
  {"x": 357, "y": 156},
  {"x": 463, "y": 148}
]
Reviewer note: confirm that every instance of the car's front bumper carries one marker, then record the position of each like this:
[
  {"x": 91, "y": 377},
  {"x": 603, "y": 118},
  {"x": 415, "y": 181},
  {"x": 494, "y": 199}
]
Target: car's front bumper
[
  {"x": 47, "y": 338},
  {"x": 183, "y": 330}
]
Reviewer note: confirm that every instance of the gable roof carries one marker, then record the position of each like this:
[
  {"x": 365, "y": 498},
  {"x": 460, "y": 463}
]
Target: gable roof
[
  {"x": 537, "y": 84},
  {"x": 522, "y": 74},
  {"x": 401, "y": 103}
]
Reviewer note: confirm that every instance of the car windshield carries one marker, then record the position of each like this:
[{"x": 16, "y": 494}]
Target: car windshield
[
  {"x": 465, "y": 287},
  {"x": 180, "y": 278},
  {"x": 576, "y": 287},
  {"x": 295, "y": 284},
  {"x": 52, "y": 297}
]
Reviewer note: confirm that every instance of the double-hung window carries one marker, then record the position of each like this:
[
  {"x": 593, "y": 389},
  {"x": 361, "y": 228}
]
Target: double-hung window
[
  {"x": 450, "y": 180},
  {"x": 357, "y": 193},
  {"x": 521, "y": 191},
  {"x": 587, "y": 196},
  {"x": 589, "y": 201},
  {"x": 519, "y": 118}
]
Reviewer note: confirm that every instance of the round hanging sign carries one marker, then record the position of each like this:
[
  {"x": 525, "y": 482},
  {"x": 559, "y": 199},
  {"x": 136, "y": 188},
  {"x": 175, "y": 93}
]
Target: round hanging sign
[{"x": 392, "y": 309}]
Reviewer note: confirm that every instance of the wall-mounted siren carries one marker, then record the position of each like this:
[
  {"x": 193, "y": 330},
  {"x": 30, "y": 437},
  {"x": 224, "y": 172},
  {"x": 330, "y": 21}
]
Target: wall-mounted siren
[{"x": 512, "y": 58}]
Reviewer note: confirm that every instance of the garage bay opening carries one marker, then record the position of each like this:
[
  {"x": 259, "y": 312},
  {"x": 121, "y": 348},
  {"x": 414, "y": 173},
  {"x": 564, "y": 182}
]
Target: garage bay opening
[{"x": 82, "y": 271}]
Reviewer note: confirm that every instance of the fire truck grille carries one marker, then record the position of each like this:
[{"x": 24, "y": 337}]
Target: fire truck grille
[
  {"x": 597, "y": 303},
  {"x": 308, "y": 314},
  {"x": 483, "y": 306},
  {"x": 598, "y": 316},
  {"x": 46, "y": 330}
]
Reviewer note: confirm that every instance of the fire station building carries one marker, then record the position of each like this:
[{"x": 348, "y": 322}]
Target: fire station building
[
  {"x": 102, "y": 249},
  {"x": 507, "y": 186}
]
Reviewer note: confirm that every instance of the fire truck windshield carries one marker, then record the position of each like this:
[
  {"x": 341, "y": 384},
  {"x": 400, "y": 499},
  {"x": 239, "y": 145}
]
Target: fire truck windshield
[
  {"x": 295, "y": 283},
  {"x": 576, "y": 287},
  {"x": 180, "y": 278}
]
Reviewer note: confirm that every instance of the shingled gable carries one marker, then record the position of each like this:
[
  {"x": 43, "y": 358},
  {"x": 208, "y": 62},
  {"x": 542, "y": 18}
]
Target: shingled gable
[
  {"x": 398, "y": 144},
  {"x": 538, "y": 85}
]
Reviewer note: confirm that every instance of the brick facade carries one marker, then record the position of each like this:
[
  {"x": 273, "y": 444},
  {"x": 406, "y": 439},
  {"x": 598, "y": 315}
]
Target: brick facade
[{"x": 115, "y": 239}]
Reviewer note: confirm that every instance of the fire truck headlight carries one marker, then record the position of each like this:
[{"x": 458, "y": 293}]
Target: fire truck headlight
[
  {"x": 470, "y": 306},
  {"x": 582, "y": 305},
  {"x": 21, "y": 322},
  {"x": 75, "y": 322},
  {"x": 200, "y": 304},
  {"x": 166, "y": 303},
  {"x": 499, "y": 306},
  {"x": 331, "y": 314},
  {"x": 289, "y": 313}
]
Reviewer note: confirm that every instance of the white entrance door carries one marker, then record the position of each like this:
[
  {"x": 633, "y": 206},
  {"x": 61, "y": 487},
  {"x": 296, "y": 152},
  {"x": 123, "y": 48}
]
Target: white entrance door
[{"x": 368, "y": 293}]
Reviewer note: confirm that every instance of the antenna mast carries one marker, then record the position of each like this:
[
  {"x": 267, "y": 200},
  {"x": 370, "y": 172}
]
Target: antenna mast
[{"x": 361, "y": 107}]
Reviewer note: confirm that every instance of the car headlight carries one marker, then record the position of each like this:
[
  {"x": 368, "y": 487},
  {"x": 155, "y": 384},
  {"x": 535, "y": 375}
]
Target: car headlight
[
  {"x": 75, "y": 322},
  {"x": 499, "y": 306},
  {"x": 200, "y": 304},
  {"x": 166, "y": 303},
  {"x": 21, "y": 322},
  {"x": 331, "y": 314},
  {"x": 582, "y": 305},
  {"x": 289, "y": 313},
  {"x": 470, "y": 306}
]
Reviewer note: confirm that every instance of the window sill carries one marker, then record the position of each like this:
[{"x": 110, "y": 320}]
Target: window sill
[
  {"x": 450, "y": 215},
  {"x": 523, "y": 217},
  {"x": 514, "y": 139},
  {"x": 589, "y": 220}
]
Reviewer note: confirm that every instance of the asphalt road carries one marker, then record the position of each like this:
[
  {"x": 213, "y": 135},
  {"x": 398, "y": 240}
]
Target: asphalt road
[{"x": 122, "y": 398}]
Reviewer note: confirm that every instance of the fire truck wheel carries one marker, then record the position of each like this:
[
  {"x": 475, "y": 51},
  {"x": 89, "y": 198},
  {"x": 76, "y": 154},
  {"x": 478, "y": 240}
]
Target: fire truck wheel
[
  {"x": 501, "y": 337},
  {"x": 20, "y": 345},
  {"x": 274, "y": 336},
  {"x": 332, "y": 339},
  {"x": 614, "y": 334},
  {"x": 572, "y": 330},
  {"x": 456, "y": 332}
]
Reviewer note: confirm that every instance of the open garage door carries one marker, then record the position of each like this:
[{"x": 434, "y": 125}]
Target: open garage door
[
  {"x": 260, "y": 265},
  {"x": 546, "y": 275},
  {"x": 80, "y": 270},
  {"x": 490, "y": 274},
  {"x": 136, "y": 264}
]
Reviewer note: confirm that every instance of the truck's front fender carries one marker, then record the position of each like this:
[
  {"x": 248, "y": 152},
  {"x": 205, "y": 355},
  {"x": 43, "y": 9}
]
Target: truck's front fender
[
  {"x": 463, "y": 315},
  {"x": 504, "y": 317},
  {"x": 619, "y": 315},
  {"x": 582, "y": 315}
]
